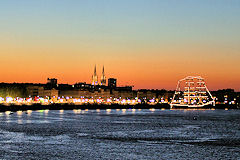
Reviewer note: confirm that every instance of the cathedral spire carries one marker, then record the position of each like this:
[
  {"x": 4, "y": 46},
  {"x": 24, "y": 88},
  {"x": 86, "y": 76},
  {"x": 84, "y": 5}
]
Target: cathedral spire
[
  {"x": 95, "y": 77},
  {"x": 103, "y": 78},
  {"x": 95, "y": 70},
  {"x": 103, "y": 71}
]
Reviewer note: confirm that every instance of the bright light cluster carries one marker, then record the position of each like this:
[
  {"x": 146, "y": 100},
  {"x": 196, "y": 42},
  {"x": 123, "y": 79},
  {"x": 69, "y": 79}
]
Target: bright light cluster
[{"x": 77, "y": 101}]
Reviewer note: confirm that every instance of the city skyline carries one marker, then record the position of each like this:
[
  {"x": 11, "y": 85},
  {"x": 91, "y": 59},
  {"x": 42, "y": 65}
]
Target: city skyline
[
  {"x": 101, "y": 80},
  {"x": 148, "y": 44}
]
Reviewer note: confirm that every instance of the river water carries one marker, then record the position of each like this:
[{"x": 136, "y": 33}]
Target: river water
[{"x": 120, "y": 134}]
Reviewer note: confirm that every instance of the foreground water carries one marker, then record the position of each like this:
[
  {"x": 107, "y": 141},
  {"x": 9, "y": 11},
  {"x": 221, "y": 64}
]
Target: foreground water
[{"x": 120, "y": 134}]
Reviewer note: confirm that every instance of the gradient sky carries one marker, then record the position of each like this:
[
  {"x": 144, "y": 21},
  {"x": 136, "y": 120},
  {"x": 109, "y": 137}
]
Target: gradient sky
[{"x": 145, "y": 43}]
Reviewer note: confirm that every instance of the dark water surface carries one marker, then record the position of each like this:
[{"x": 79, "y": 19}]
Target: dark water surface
[{"x": 113, "y": 134}]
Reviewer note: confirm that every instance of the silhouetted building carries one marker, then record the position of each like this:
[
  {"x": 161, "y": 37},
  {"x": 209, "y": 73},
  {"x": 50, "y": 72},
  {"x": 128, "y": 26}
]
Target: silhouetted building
[
  {"x": 82, "y": 86},
  {"x": 112, "y": 83},
  {"x": 65, "y": 87},
  {"x": 51, "y": 83}
]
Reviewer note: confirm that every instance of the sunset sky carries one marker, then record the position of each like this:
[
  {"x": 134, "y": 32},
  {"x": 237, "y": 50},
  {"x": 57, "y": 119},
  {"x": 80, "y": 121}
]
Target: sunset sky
[{"x": 145, "y": 43}]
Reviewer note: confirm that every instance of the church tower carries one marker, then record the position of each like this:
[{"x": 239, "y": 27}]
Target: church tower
[
  {"x": 103, "y": 78},
  {"x": 95, "y": 77}
]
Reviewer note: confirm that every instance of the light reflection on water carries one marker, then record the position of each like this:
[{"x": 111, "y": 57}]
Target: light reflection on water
[
  {"x": 19, "y": 113},
  {"x": 133, "y": 110},
  {"x": 29, "y": 112},
  {"x": 76, "y": 111},
  {"x": 46, "y": 111},
  {"x": 20, "y": 121},
  {"x": 108, "y": 111},
  {"x": 61, "y": 111},
  {"x": 152, "y": 109},
  {"x": 7, "y": 112}
]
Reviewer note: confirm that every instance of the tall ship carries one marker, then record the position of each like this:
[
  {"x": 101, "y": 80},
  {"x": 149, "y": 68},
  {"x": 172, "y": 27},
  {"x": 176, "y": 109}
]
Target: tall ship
[{"x": 192, "y": 92}]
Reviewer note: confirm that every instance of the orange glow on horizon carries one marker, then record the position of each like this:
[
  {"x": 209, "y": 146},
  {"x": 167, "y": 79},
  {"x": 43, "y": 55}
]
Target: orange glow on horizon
[{"x": 159, "y": 68}]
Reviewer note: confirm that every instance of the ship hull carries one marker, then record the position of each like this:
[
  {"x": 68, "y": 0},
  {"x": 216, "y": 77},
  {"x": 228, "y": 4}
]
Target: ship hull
[{"x": 174, "y": 106}]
